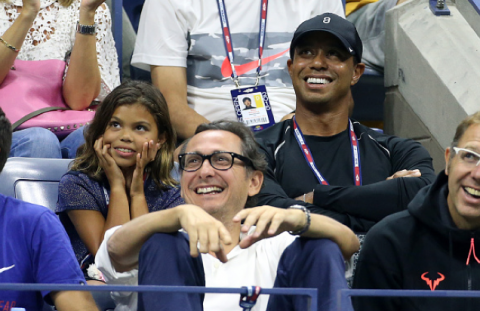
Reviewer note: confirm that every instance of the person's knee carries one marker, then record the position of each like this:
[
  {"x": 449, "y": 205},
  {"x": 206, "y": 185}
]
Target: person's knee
[
  {"x": 317, "y": 250},
  {"x": 72, "y": 142},
  {"x": 44, "y": 135},
  {"x": 35, "y": 133},
  {"x": 317, "y": 246},
  {"x": 323, "y": 246},
  {"x": 35, "y": 142}
]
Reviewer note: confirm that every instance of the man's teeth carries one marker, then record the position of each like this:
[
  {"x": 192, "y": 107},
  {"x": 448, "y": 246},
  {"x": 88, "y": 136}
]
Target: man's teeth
[
  {"x": 472, "y": 191},
  {"x": 317, "y": 81},
  {"x": 124, "y": 150},
  {"x": 209, "y": 190}
]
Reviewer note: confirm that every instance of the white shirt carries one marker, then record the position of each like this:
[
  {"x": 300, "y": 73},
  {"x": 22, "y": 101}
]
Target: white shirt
[
  {"x": 187, "y": 33},
  {"x": 255, "y": 265}
]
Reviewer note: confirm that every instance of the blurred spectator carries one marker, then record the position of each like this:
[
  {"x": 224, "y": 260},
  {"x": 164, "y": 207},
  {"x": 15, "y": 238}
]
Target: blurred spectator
[
  {"x": 35, "y": 249},
  {"x": 369, "y": 19},
  {"x": 47, "y": 29}
]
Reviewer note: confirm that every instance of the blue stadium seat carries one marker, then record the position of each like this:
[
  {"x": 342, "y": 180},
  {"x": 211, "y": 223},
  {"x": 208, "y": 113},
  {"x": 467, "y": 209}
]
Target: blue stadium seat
[{"x": 33, "y": 180}]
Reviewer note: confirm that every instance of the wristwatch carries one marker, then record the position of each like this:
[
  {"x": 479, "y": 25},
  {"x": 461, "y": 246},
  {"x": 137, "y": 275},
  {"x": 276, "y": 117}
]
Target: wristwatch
[
  {"x": 86, "y": 29},
  {"x": 307, "y": 219}
]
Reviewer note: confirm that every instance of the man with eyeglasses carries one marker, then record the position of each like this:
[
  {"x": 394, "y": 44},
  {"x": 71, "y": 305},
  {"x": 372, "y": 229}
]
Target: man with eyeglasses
[
  {"x": 221, "y": 170},
  {"x": 433, "y": 245}
]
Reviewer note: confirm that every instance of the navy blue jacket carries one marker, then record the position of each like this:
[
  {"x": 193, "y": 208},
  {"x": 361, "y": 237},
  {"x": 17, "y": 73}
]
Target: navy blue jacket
[{"x": 420, "y": 248}]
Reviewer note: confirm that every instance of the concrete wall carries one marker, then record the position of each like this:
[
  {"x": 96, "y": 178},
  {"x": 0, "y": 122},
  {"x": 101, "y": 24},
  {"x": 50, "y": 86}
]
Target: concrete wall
[{"x": 432, "y": 72}]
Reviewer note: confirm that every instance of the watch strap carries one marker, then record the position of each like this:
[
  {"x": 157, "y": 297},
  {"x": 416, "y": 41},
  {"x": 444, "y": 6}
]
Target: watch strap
[
  {"x": 86, "y": 29},
  {"x": 307, "y": 219}
]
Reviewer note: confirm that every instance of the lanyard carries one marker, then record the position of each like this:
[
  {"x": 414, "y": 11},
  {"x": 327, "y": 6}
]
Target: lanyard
[
  {"x": 227, "y": 39},
  {"x": 357, "y": 171}
]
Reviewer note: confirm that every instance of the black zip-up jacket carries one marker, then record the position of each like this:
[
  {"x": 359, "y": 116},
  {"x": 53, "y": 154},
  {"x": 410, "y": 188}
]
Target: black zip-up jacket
[
  {"x": 358, "y": 207},
  {"x": 420, "y": 248}
]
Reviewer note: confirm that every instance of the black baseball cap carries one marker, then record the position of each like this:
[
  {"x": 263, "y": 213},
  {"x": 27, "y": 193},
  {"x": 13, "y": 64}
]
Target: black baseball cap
[{"x": 338, "y": 26}]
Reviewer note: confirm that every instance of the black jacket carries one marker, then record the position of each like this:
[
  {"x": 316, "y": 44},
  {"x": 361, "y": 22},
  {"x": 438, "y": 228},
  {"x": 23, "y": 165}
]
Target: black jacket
[
  {"x": 420, "y": 248},
  {"x": 289, "y": 176}
]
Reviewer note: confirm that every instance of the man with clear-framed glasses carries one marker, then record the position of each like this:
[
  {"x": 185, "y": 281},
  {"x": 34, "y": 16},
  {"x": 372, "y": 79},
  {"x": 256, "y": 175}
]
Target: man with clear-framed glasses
[
  {"x": 433, "y": 245},
  {"x": 221, "y": 170}
]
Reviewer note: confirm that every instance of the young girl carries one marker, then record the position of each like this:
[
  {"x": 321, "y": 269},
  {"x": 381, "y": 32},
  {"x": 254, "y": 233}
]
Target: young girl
[{"x": 121, "y": 172}]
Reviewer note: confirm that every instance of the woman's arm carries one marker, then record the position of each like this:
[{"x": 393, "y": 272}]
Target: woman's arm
[
  {"x": 15, "y": 35},
  {"x": 83, "y": 80}
]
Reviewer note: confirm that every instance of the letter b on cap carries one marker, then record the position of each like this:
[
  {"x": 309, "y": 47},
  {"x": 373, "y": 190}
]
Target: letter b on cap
[{"x": 326, "y": 20}]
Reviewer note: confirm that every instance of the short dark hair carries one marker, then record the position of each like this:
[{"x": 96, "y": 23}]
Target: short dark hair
[
  {"x": 246, "y": 98},
  {"x": 462, "y": 128},
  {"x": 250, "y": 147},
  {"x": 5, "y": 138}
]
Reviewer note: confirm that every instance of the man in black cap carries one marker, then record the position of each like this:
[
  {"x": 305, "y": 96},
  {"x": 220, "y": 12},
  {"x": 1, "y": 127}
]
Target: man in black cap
[{"x": 342, "y": 169}]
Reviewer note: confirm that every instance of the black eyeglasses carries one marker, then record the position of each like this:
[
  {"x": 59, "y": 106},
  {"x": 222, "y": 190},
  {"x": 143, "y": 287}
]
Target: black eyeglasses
[{"x": 220, "y": 160}]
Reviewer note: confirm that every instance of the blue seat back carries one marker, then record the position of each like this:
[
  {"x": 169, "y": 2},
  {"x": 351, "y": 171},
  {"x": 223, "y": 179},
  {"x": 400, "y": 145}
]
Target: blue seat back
[
  {"x": 33, "y": 180},
  {"x": 368, "y": 96}
]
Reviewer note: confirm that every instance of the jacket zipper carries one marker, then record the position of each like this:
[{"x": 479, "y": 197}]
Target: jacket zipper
[
  {"x": 469, "y": 274},
  {"x": 469, "y": 269}
]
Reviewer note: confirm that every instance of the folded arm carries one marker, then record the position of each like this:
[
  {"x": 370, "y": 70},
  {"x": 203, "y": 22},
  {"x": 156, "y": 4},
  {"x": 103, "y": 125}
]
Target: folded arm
[
  {"x": 360, "y": 207},
  {"x": 413, "y": 170},
  {"x": 273, "y": 194},
  {"x": 271, "y": 221},
  {"x": 125, "y": 244}
]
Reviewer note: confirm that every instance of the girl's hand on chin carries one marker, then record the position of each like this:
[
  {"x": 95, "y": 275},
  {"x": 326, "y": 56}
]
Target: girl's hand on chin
[
  {"x": 108, "y": 164},
  {"x": 148, "y": 154}
]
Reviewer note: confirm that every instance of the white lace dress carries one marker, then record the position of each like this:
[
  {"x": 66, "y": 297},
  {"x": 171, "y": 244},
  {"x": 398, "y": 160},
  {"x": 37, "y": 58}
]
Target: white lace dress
[{"x": 53, "y": 34}]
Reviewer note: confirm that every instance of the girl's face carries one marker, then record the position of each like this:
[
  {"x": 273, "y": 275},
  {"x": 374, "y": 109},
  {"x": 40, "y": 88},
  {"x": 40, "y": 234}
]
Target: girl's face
[{"x": 127, "y": 131}]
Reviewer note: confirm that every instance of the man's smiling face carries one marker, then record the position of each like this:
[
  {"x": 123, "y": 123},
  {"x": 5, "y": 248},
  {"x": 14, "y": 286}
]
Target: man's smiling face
[
  {"x": 322, "y": 70},
  {"x": 464, "y": 181},
  {"x": 220, "y": 193}
]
